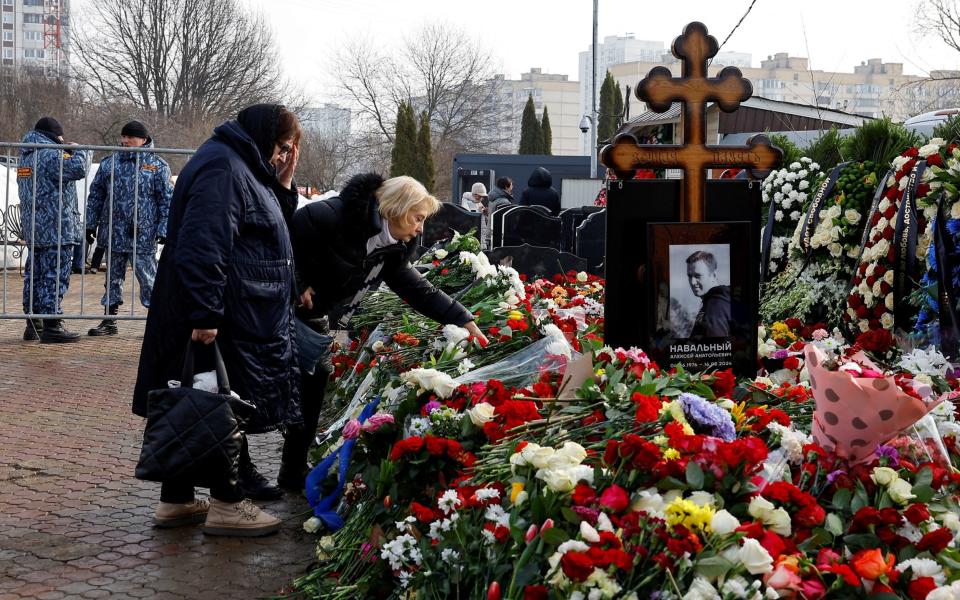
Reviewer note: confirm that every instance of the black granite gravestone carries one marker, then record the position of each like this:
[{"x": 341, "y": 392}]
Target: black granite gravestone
[
  {"x": 590, "y": 240},
  {"x": 630, "y": 316},
  {"x": 448, "y": 219},
  {"x": 528, "y": 225},
  {"x": 570, "y": 219},
  {"x": 496, "y": 224},
  {"x": 536, "y": 261}
]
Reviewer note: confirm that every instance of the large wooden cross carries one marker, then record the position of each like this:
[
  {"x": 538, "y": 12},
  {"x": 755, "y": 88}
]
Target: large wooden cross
[{"x": 694, "y": 89}]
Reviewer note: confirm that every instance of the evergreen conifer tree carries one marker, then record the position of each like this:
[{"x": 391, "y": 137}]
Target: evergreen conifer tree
[
  {"x": 606, "y": 122},
  {"x": 546, "y": 132},
  {"x": 424, "y": 162},
  {"x": 531, "y": 140},
  {"x": 403, "y": 155}
]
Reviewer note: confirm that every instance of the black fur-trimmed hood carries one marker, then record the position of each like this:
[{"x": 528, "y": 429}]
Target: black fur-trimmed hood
[{"x": 361, "y": 210}]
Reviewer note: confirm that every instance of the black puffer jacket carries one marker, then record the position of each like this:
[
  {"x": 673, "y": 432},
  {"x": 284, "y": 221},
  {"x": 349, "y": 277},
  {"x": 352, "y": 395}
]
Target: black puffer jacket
[
  {"x": 540, "y": 191},
  {"x": 330, "y": 245},
  {"x": 228, "y": 265}
]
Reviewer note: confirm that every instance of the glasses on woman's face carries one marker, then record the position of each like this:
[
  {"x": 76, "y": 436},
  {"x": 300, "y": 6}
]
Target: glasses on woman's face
[{"x": 285, "y": 149}]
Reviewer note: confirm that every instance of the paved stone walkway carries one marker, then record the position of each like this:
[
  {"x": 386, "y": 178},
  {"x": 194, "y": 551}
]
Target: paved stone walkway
[{"x": 74, "y": 522}]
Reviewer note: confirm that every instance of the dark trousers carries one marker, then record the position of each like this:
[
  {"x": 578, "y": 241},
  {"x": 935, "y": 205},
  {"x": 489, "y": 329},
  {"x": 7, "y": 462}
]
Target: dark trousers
[
  {"x": 296, "y": 444},
  {"x": 97, "y": 259}
]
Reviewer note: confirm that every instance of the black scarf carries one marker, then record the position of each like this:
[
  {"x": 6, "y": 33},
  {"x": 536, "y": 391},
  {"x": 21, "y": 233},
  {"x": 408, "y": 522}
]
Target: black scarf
[{"x": 261, "y": 122}]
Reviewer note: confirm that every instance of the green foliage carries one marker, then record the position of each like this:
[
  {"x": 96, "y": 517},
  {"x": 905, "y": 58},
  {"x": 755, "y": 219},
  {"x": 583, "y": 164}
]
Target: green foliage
[
  {"x": 825, "y": 150},
  {"x": 403, "y": 157},
  {"x": 791, "y": 152},
  {"x": 606, "y": 120},
  {"x": 880, "y": 141},
  {"x": 949, "y": 130},
  {"x": 531, "y": 140},
  {"x": 617, "y": 105},
  {"x": 546, "y": 142},
  {"x": 424, "y": 164}
]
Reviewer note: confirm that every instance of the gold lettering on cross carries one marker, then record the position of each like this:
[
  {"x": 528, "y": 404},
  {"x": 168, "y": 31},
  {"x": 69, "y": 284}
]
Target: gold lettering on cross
[{"x": 659, "y": 89}]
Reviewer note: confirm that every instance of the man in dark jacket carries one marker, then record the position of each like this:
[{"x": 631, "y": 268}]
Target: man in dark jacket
[
  {"x": 713, "y": 319},
  {"x": 540, "y": 191},
  {"x": 345, "y": 246},
  {"x": 141, "y": 188},
  {"x": 226, "y": 274},
  {"x": 51, "y": 226}
]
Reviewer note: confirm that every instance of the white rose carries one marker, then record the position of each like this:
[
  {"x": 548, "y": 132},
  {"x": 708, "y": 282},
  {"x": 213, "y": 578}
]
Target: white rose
[
  {"x": 701, "y": 589},
  {"x": 876, "y": 288},
  {"x": 582, "y": 277},
  {"x": 481, "y": 414},
  {"x": 723, "y": 523},
  {"x": 440, "y": 254},
  {"x": 538, "y": 456},
  {"x": 852, "y": 216},
  {"x": 701, "y": 498},
  {"x": 312, "y": 525},
  {"x": 588, "y": 533},
  {"x": 888, "y": 276},
  {"x": 888, "y": 301},
  {"x": 755, "y": 557},
  {"x": 886, "y": 320},
  {"x": 955, "y": 210},
  {"x": 779, "y": 521},
  {"x": 836, "y": 250},
  {"x": 573, "y": 452},
  {"x": 901, "y": 492},
  {"x": 884, "y": 476},
  {"x": 864, "y": 325}
]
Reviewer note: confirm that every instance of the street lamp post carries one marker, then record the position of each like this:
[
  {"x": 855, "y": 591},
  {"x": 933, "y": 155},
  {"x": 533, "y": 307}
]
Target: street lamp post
[{"x": 593, "y": 98}]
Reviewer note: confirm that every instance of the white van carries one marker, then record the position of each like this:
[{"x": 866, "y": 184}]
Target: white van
[{"x": 924, "y": 124}]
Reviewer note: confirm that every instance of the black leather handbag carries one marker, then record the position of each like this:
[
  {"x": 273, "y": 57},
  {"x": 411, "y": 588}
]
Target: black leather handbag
[{"x": 193, "y": 436}]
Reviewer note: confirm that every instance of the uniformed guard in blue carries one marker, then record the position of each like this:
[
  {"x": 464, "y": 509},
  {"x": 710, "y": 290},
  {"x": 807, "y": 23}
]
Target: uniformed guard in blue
[
  {"x": 51, "y": 228},
  {"x": 140, "y": 205}
]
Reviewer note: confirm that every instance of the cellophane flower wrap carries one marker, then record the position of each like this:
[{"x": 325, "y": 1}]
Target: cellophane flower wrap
[{"x": 858, "y": 411}]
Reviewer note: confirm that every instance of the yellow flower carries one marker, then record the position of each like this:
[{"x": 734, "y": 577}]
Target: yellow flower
[
  {"x": 738, "y": 413},
  {"x": 689, "y": 514},
  {"x": 671, "y": 454},
  {"x": 600, "y": 372},
  {"x": 515, "y": 315},
  {"x": 780, "y": 330},
  {"x": 515, "y": 488},
  {"x": 660, "y": 440}
]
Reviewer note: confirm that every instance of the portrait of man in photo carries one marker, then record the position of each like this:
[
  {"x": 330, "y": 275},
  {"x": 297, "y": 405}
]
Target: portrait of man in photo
[
  {"x": 699, "y": 303},
  {"x": 713, "y": 318}
]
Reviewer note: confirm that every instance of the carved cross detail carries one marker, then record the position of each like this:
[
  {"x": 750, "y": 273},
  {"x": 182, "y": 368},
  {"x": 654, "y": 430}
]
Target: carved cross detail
[{"x": 694, "y": 89}]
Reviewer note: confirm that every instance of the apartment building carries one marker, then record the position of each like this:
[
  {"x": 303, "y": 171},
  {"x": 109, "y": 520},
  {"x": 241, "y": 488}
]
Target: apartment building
[
  {"x": 35, "y": 35},
  {"x": 874, "y": 88},
  {"x": 551, "y": 90}
]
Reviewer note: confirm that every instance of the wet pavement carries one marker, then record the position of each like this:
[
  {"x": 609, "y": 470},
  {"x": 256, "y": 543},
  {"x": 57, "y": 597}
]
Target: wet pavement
[{"x": 74, "y": 522}]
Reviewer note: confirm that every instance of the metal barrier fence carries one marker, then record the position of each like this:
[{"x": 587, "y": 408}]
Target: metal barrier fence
[{"x": 13, "y": 236}]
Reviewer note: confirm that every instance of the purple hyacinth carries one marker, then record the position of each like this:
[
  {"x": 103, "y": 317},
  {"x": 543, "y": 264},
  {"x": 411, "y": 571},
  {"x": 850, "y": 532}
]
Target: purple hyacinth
[
  {"x": 707, "y": 415},
  {"x": 780, "y": 354},
  {"x": 431, "y": 406},
  {"x": 833, "y": 475}
]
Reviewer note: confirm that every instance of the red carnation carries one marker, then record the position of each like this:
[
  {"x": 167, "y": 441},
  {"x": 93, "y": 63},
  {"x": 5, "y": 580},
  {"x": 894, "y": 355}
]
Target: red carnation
[
  {"x": 920, "y": 587},
  {"x": 435, "y": 445},
  {"x": 792, "y": 363},
  {"x": 648, "y": 407},
  {"x": 583, "y": 495},
  {"x": 535, "y": 592},
  {"x": 576, "y": 565},
  {"x": 879, "y": 341},
  {"x": 723, "y": 382},
  {"x": 935, "y": 541},
  {"x": 423, "y": 513},
  {"x": 916, "y": 513},
  {"x": 409, "y": 445},
  {"x": 615, "y": 499}
]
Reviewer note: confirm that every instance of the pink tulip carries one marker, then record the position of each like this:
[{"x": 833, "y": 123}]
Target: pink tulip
[
  {"x": 812, "y": 589},
  {"x": 531, "y": 533}
]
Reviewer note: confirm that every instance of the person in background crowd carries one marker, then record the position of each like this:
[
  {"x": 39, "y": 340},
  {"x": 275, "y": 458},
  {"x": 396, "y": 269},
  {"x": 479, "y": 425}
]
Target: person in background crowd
[
  {"x": 51, "y": 227},
  {"x": 473, "y": 200},
  {"x": 137, "y": 217},
  {"x": 345, "y": 246},
  {"x": 226, "y": 274},
  {"x": 501, "y": 195},
  {"x": 540, "y": 191}
]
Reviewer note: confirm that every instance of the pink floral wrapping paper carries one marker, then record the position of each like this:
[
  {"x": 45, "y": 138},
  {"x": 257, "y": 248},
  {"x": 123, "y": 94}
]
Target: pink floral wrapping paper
[{"x": 856, "y": 414}]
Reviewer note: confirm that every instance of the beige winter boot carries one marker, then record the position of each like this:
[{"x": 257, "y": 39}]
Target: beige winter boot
[
  {"x": 241, "y": 519},
  {"x": 175, "y": 515}
]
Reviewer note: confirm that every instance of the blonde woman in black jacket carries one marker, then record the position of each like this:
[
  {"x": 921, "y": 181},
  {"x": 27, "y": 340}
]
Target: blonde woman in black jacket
[{"x": 343, "y": 247}]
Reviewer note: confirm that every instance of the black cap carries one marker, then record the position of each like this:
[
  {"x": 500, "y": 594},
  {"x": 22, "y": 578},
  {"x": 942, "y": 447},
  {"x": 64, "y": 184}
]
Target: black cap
[
  {"x": 135, "y": 129},
  {"x": 50, "y": 125}
]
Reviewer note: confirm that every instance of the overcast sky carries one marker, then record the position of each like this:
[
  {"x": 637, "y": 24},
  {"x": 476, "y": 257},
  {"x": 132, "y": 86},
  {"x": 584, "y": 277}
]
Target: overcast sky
[{"x": 834, "y": 34}]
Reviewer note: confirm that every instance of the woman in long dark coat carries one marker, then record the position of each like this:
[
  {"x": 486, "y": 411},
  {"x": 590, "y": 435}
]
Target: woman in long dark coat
[{"x": 226, "y": 273}]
